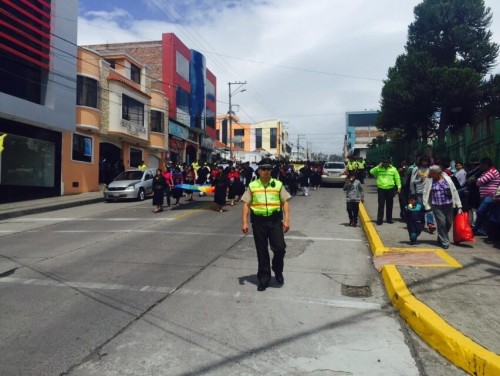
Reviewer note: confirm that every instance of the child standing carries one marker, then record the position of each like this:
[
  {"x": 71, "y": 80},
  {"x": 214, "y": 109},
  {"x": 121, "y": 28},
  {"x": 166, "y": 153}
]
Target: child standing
[
  {"x": 354, "y": 194},
  {"x": 415, "y": 218}
]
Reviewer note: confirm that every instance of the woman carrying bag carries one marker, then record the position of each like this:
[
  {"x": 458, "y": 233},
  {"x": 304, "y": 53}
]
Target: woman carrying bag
[{"x": 441, "y": 196}]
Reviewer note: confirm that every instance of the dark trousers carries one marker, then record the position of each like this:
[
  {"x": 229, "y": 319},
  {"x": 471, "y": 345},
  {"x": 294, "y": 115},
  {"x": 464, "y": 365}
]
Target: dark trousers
[
  {"x": 267, "y": 233},
  {"x": 385, "y": 198},
  {"x": 167, "y": 194},
  {"x": 353, "y": 210}
]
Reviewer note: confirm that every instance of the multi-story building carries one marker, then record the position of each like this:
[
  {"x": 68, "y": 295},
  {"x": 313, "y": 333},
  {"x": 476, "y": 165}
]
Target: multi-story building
[
  {"x": 247, "y": 140},
  {"x": 190, "y": 87},
  {"x": 271, "y": 136},
  {"x": 120, "y": 121},
  {"x": 360, "y": 131},
  {"x": 37, "y": 95}
]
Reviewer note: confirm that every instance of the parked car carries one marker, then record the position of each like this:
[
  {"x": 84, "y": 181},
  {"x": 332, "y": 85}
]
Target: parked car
[
  {"x": 130, "y": 184},
  {"x": 333, "y": 173}
]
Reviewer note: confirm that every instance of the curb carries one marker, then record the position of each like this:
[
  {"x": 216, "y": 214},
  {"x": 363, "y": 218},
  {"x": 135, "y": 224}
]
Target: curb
[
  {"x": 376, "y": 245},
  {"x": 48, "y": 207},
  {"x": 432, "y": 328}
]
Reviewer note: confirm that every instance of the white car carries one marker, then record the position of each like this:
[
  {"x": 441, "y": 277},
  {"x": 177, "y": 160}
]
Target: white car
[
  {"x": 130, "y": 184},
  {"x": 333, "y": 173}
]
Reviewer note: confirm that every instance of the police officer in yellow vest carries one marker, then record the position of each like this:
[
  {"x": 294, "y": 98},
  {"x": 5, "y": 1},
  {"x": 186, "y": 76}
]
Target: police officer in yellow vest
[
  {"x": 266, "y": 201},
  {"x": 351, "y": 165},
  {"x": 361, "y": 164}
]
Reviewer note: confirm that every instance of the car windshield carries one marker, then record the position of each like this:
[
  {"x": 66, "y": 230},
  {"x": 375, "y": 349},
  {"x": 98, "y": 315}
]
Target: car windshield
[
  {"x": 337, "y": 165},
  {"x": 130, "y": 175}
]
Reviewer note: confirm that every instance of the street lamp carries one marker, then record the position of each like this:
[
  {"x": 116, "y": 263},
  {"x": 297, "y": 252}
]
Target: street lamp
[{"x": 230, "y": 112}]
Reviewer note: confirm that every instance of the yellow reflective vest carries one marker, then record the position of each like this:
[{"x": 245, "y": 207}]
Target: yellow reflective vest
[
  {"x": 352, "y": 165},
  {"x": 266, "y": 200}
]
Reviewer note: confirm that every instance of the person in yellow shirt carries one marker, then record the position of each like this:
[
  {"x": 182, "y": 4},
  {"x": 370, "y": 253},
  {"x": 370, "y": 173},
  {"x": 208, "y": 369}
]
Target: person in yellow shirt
[
  {"x": 142, "y": 166},
  {"x": 388, "y": 184}
]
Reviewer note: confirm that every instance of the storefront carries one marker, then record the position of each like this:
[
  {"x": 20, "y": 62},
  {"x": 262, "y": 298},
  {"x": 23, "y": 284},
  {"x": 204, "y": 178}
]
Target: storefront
[
  {"x": 30, "y": 162},
  {"x": 178, "y": 135},
  {"x": 206, "y": 149}
]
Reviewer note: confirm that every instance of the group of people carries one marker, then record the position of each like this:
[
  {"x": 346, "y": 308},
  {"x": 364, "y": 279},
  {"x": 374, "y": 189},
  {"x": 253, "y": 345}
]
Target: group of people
[{"x": 431, "y": 192}]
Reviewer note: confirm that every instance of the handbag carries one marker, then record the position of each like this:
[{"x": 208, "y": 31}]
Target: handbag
[{"x": 462, "y": 231}]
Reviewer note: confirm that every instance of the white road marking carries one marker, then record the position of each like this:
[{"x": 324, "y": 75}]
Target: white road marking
[
  {"x": 191, "y": 233},
  {"x": 335, "y": 302},
  {"x": 84, "y": 285}
]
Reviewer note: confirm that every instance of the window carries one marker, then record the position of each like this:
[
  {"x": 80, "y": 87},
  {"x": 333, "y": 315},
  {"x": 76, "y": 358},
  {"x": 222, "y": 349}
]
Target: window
[
  {"x": 224, "y": 135},
  {"x": 86, "y": 91},
  {"x": 27, "y": 162},
  {"x": 210, "y": 120},
  {"x": 238, "y": 139},
  {"x": 112, "y": 63},
  {"x": 210, "y": 91},
  {"x": 157, "y": 121},
  {"x": 182, "y": 65},
  {"x": 135, "y": 157},
  {"x": 273, "y": 139},
  {"x": 132, "y": 110},
  {"x": 258, "y": 138},
  {"x": 82, "y": 148},
  {"x": 135, "y": 73},
  {"x": 25, "y": 49}
]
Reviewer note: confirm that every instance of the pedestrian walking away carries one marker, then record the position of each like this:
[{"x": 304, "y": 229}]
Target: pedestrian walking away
[
  {"x": 354, "y": 195},
  {"x": 441, "y": 196},
  {"x": 388, "y": 184},
  {"x": 266, "y": 200},
  {"x": 159, "y": 186}
]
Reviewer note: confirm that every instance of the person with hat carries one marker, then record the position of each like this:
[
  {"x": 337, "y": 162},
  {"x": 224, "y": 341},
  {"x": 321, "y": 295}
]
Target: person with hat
[
  {"x": 266, "y": 200},
  {"x": 388, "y": 184}
]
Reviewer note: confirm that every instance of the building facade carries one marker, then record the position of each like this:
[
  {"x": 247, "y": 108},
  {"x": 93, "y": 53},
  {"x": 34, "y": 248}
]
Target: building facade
[
  {"x": 190, "y": 87},
  {"x": 38, "y": 55},
  {"x": 271, "y": 136},
  {"x": 120, "y": 121},
  {"x": 360, "y": 131}
]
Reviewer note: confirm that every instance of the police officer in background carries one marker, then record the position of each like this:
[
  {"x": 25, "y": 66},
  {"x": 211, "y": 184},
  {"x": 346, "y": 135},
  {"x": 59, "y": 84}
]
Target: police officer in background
[
  {"x": 361, "y": 169},
  {"x": 267, "y": 202}
]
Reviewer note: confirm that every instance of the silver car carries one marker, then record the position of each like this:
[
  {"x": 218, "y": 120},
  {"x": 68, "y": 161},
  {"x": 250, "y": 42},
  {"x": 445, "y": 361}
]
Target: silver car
[
  {"x": 333, "y": 173},
  {"x": 130, "y": 184}
]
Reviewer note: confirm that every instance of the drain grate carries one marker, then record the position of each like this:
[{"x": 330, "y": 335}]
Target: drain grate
[{"x": 356, "y": 291}]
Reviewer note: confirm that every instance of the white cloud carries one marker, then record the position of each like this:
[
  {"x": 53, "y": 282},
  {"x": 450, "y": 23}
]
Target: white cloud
[{"x": 327, "y": 40}]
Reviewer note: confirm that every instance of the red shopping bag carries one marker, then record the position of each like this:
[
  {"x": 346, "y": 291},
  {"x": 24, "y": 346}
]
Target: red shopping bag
[{"x": 462, "y": 232}]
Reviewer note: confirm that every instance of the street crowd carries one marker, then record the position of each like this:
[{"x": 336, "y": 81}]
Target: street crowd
[
  {"x": 431, "y": 192},
  {"x": 229, "y": 180}
]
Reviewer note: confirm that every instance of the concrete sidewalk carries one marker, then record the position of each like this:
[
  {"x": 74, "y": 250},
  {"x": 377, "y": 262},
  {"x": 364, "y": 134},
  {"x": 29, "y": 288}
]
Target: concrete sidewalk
[{"x": 449, "y": 298}]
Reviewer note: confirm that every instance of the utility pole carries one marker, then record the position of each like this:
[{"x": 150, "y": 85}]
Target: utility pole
[
  {"x": 230, "y": 113},
  {"x": 298, "y": 144}
]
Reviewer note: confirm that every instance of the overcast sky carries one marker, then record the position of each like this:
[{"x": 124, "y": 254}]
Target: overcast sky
[{"x": 306, "y": 62}]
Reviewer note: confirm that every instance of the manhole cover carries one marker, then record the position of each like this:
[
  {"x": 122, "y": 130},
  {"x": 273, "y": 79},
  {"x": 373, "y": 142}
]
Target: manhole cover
[{"x": 356, "y": 291}]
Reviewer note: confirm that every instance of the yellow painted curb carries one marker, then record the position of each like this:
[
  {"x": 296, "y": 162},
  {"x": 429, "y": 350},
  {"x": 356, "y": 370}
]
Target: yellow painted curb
[
  {"x": 376, "y": 244},
  {"x": 449, "y": 342}
]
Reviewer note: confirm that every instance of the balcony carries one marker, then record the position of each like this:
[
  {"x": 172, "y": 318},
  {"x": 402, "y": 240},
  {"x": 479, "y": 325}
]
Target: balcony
[{"x": 132, "y": 128}]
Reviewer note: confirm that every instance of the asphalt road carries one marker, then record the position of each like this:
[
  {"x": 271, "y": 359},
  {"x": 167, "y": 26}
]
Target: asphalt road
[{"x": 113, "y": 289}]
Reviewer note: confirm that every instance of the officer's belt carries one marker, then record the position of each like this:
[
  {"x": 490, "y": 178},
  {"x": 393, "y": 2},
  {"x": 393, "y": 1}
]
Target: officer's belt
[{"x": 274, "y": 217}]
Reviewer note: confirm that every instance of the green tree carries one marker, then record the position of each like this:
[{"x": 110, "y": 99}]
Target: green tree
[{"x": 438, "y": 83}]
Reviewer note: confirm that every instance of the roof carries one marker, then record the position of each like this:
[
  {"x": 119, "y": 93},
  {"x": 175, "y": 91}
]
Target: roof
[{"x": 115, "y": 76}]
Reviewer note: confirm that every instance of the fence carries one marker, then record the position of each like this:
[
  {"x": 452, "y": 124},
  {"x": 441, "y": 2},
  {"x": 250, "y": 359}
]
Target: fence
[{"x": 469, "y": 145}]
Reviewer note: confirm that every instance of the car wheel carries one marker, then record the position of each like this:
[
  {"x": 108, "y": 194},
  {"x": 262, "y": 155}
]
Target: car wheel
[{"x": 141, "y": 195}]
